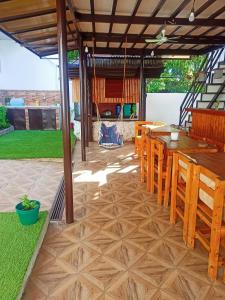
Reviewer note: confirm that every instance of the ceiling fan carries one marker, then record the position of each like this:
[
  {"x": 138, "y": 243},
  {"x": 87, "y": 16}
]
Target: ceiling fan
[{"x": 162, "y": 38}]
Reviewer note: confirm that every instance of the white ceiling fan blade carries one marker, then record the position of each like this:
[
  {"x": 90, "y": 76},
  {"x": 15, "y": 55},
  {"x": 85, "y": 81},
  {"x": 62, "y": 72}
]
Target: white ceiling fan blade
[
  {"x": 151, "y": 40},
  {"x": 160, "y": 43},
  {"x": 173, "y": 38}
]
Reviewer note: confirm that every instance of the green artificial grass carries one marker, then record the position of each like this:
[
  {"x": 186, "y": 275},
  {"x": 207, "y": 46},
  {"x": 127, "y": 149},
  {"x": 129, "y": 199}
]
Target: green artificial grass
[
  {"x": 17, "y": 245},
  {"x": 32, "y": 144}
]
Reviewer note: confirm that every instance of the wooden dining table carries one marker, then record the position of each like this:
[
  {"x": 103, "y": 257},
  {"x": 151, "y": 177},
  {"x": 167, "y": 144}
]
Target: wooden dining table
[
  {"x": 184, "y": 144},
  {"x": 214, "y": 162},
  {"x": 157, "y": 130}
]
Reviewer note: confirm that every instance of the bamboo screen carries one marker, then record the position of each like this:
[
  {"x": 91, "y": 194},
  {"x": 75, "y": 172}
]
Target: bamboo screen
[
  {"x": 130, "y": 93},
  {"x": 76, "y": 90}
]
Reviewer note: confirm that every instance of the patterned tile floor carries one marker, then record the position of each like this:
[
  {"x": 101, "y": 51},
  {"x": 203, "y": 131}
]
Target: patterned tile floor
[
  {"x": 121, "y": 246},
  {"x": 38, "y": 179}
]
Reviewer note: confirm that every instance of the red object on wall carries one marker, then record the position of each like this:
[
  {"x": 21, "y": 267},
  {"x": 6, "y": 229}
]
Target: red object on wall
[{"x": 113, "y": 88}]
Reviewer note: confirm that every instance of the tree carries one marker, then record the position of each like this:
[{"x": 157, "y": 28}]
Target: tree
[{"x": 177, "y": 76}]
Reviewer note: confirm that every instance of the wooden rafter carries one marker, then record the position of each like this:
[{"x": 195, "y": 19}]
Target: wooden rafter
[
  {"x": 28, "y": 15},
  {"x": 198, "y": 12},
  {"x": 18, "y": 41},
  {"x": 180, "y": 8},
  {"x": 36, "y": 28},
  {"x": 74, "y": 19},
  {"x": 130, "y": 51},
  {"x": 93, "y": 22},
  {"x": 218, "y": 12},
  {"x": 154, "y": 13},
  {"x": 122, "y": 19},
  {"x": 113, "y": 14},
  {"x": 133, "y": 15},
  {"x": 133, "y": 38},
  {"x": 204, "y": 7}
]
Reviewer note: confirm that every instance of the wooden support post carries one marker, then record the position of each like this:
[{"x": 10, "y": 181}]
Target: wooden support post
[
  {"x": 141, "y": 93},
  {"x": 90, "y": 129},
  {"x": 82, "y": 102},
  {"x": 85, "y": 99},
  {"x": 65, "y": 103},
  {"x": 144, "y": 98}
]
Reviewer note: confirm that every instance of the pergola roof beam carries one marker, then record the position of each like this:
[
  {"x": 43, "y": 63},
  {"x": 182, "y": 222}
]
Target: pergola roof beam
[
  {"x": 131, "y": 51},
  {"x": 132, "y": 38},
  {"x": 28, "y": 15},
  {"x": 36, "y": 28},
  {"x": 121, "y": 19}
]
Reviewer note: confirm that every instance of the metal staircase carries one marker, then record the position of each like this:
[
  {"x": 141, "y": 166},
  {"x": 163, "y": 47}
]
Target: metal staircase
[{"x": 206, "y": 93}]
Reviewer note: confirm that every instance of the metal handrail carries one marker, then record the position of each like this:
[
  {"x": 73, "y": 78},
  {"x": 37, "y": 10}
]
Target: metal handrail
[{"x": 190, "y": 98}]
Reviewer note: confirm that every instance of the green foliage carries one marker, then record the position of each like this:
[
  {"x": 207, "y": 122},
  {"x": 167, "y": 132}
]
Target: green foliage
[
  {"x": 21, "y": 144},
  {"x": 3, "y": 119},
  {"x": 72, "y": 55},
  {"x": 177, "y": 76},
  {"x": 27, "y": 203}
]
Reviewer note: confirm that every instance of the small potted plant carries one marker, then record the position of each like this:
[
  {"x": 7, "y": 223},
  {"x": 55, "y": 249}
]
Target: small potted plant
[{"x": 28, "y": 210}]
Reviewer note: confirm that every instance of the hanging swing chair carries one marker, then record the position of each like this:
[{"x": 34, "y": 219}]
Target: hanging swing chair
[{"x": 109, "y": 137}]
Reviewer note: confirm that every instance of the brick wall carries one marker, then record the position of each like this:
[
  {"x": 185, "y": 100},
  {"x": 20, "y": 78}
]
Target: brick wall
[{"x": 32, "y": 98}]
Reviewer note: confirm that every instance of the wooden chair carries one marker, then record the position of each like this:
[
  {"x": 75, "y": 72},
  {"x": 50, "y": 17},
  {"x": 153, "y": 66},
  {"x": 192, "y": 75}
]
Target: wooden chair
[
  {"x": 206, "y": 216},
  {"x": 143, "y": 154},
  {"x": 181, "y": 190},
  {"x": 146, "y": 161},
  {"x": 138, "y": 135},
  {"x": 159, "y": 171}
]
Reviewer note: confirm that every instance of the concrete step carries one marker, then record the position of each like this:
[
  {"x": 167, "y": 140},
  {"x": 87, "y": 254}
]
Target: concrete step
[
  {"x": 221, "y": 64},
  {"x": 219, "y": 80},
  {"x": 213, "y": 88},
  {"x": 209, "y": 96},
  {"x": 188, "y": 124},
  {"x": 204, "y": 104}
]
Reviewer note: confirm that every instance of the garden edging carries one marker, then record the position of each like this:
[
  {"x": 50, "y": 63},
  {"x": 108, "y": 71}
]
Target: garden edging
[{"x": 6, "y": 130}]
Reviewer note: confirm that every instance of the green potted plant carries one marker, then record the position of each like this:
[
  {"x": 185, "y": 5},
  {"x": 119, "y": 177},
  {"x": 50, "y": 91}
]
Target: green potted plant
[{"x": 28, "y": 210}]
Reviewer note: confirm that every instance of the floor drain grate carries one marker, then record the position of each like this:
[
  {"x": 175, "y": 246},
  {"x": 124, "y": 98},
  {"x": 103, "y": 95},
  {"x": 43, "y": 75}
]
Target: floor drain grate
[{"x": 58, "y": 205}]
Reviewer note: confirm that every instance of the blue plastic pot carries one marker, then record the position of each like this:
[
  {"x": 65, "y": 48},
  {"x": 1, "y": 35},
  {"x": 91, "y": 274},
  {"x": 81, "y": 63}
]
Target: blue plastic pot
[{"x": 28, "y": 217}]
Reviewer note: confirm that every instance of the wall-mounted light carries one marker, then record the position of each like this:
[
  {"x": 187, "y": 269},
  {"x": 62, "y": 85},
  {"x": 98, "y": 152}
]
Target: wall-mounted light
[
  {"x": 152, "y": 53},
  {"x": 86, "y": 49}
]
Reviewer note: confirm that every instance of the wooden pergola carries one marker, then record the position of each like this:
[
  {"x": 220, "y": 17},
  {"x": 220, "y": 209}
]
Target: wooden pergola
[{"x": 108, "y": 27}]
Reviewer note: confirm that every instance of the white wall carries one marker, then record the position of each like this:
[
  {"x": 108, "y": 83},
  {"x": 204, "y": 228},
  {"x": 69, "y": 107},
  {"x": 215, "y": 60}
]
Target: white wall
[
  {"x": 20, "y": 69},
  {"x": 164, "y": 107}
]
